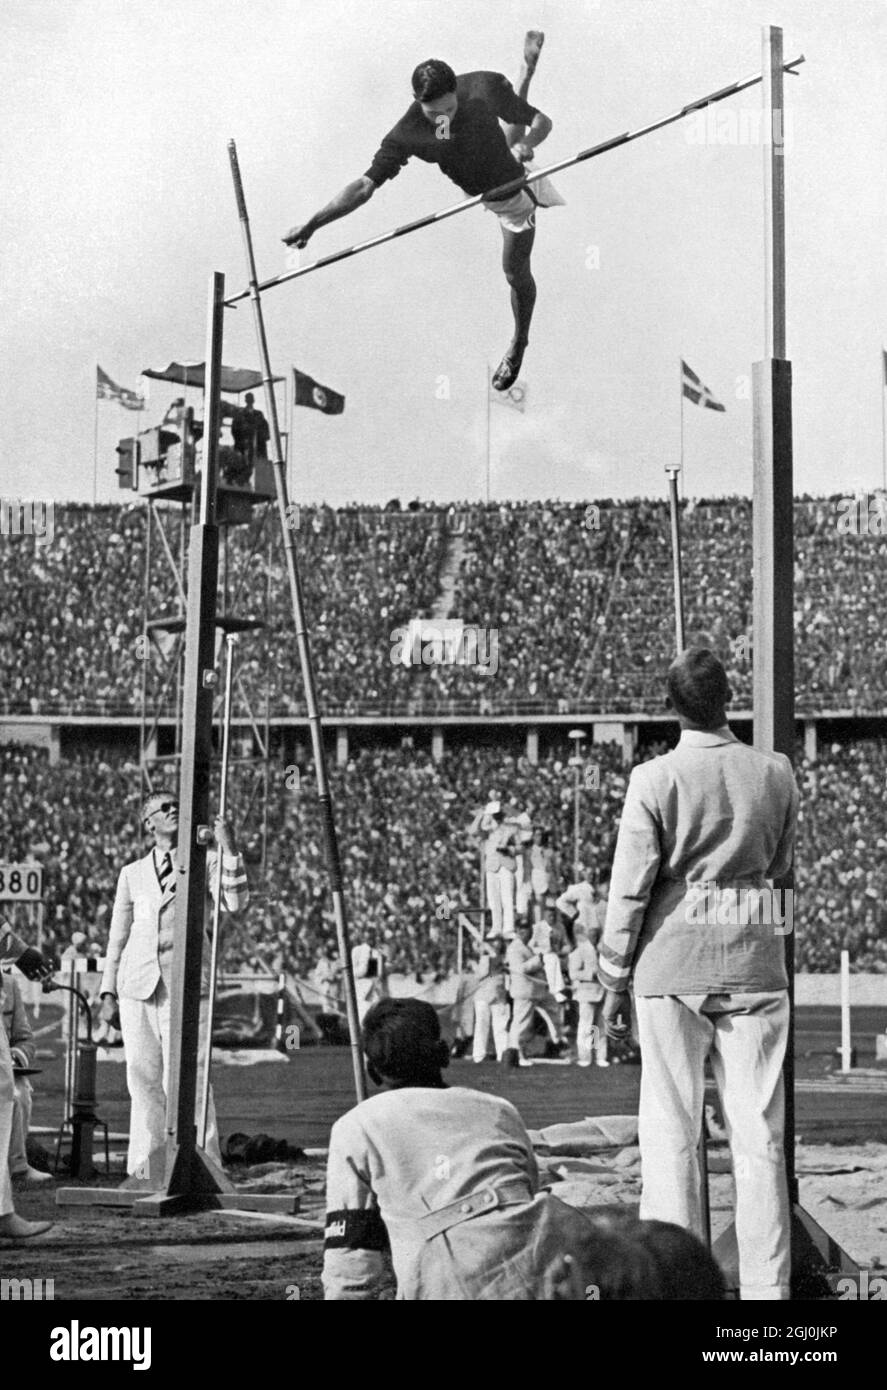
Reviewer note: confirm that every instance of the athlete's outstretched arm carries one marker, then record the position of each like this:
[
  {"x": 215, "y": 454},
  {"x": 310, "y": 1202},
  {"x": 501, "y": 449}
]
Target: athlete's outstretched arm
[{"x": 353, "y": 196}]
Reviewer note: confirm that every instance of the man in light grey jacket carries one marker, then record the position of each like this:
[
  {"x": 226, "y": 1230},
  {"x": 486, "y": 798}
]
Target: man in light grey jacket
[
  {"x": 694, "y": 922},
  {"x": 138, "y": 971}
]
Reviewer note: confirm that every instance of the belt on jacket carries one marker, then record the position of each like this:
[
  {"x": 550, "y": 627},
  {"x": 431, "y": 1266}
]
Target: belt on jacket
[{"x": 515, "y": 1192}]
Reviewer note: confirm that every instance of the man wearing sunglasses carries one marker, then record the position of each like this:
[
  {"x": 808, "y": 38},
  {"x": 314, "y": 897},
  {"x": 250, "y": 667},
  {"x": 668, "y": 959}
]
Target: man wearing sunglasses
[{"x": 138, "y": 972}]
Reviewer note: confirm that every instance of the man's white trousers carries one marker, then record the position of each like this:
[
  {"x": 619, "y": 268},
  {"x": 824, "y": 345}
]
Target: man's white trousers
[
  {"x": 745, "y": 1036},
  {"x": 145, "y": 1024},
  {"x": 486, "y": 1015}
]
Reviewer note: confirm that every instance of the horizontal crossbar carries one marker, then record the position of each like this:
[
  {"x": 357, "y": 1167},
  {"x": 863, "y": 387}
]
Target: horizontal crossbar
[{"x": 506, "y": 189}]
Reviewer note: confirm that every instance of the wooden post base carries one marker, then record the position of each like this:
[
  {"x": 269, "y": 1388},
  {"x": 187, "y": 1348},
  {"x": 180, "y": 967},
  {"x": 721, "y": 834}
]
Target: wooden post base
[
  {"x": 177, "y": 1180},
  {"x": 166, "y": 1204}
]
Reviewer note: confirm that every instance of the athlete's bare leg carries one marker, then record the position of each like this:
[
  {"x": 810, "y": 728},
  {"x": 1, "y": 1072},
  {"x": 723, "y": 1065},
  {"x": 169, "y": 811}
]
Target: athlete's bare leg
[
  {"x": 532, "y": 48},
  {"x": 517, "y": 246},
  {"x": 516, "y": 249}
]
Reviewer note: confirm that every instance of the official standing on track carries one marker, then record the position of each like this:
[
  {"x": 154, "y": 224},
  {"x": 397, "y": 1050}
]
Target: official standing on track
[
  {"x": 23, "y": 1049},
  {"x": 12, "y": 1226},
  {"x": 588, "y": 994},
  {"x": 138, "y": 971},
  {"x": 490, "y": 1000},
  {"x": 527, "y": 986},
  {"x": 369, "y": 962},
  {"x": 702, "y": 829}
]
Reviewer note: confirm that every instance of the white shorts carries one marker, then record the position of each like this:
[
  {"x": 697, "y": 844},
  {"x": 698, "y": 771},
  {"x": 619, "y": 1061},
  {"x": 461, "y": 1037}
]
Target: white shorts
[
  {"x": 515, "y": 214},
  {"x": 518, "y": 213}
]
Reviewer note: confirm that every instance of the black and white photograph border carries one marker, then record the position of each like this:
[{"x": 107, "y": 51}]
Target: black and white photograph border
[{"x": 443, "y": 723}]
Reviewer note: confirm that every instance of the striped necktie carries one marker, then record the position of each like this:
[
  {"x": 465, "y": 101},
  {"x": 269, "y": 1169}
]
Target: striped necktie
[{"x": 165, "y": 872}]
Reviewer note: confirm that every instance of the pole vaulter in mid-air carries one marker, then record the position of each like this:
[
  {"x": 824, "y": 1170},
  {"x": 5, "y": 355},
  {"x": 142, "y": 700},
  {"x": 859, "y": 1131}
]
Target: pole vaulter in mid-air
[{"x": 454, "y": 122}]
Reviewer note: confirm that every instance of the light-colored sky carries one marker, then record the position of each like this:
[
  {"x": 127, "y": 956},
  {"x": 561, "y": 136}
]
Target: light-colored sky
[{"x": 118, "y": 204}]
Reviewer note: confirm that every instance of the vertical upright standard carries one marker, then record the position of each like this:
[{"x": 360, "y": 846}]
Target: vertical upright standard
[
  {"x": 773, "y": 508},
  {"x": 197, "y": 721},
  {"x": 815, "y": 1255}
]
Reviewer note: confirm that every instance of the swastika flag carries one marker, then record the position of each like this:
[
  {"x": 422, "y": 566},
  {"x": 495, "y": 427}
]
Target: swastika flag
[{"x": 307, "y": 391}]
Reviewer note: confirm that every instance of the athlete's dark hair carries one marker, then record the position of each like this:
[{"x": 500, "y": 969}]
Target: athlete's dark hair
[
  {"x": 433, "y": 79},
  {"x": 698, "y": 687},
  {"x": 402, "y": 1042}
]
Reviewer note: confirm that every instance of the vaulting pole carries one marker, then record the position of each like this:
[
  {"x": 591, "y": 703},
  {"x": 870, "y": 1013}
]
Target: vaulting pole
[
  {"x": 289, "y": 523},
  {"x": 230, "y": 643},
  {"x": 506, "y": 188}
]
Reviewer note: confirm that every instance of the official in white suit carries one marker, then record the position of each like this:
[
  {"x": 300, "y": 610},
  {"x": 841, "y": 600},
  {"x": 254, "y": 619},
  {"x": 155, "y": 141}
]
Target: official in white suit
[
  {"x": 20, "y": 1036},
  {"x": 12, "y": 1226},
  {"x": 369, "y": 962},
  {"x": 692, "y": 918},
  {"x": 138, "y": 972}
]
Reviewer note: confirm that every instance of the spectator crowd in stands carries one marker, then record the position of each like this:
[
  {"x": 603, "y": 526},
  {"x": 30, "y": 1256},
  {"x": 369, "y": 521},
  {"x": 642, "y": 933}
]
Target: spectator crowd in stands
[
  {"x": 402, "y": 821},
  {"x": 580, "y": 597}
]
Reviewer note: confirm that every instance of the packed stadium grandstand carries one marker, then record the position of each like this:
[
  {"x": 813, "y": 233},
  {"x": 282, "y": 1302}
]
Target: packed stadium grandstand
[
  {"x": 402, "y": 820},
  {"x": 579, "y": 597}
]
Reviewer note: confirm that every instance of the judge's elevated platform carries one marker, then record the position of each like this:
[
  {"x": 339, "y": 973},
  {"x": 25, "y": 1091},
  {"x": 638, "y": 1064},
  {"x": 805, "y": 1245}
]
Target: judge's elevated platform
[
  {"x": 171, "y": 473},
  {"x": 162, "y": 465}
]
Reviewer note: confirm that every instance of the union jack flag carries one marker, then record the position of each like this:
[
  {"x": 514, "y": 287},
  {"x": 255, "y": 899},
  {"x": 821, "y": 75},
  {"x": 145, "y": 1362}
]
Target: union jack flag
[{"x": 108, "y": 390}]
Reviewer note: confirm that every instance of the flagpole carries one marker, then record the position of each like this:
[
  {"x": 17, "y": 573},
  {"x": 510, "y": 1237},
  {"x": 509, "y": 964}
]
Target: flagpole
[
  {"x": 882, "y": 378},
  {"x": 681, "y": 376},
  {"x": 290, "y": 421},
  {"x": 487, "y": 387},
  {"x": 95, "y": 441}
]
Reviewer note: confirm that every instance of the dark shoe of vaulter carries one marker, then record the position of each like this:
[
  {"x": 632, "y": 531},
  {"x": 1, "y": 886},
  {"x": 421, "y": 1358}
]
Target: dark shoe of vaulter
[{"x": 505, "y": 374}]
